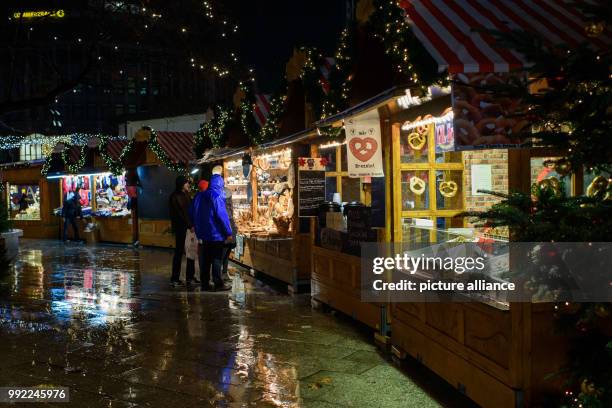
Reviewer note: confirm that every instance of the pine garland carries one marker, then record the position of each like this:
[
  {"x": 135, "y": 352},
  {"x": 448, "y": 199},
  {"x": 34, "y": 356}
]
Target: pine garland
[
  {"x": 269, "y": 130},
  {"x": 161, "y": 155},
  {"x": 116, "y": 167},
  {"x": 337, "y": 98},
  {"x": 74, "y": 168},
  {"x": 46, "y": 165},
  {"x": 213, "y": 132},
  {"x": 388, "y": 22},
  {"x": 247, "y": 120}
]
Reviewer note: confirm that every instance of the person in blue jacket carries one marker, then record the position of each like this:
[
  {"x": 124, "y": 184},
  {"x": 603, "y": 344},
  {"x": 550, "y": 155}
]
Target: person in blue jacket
[{"x": 213, "y": 228}]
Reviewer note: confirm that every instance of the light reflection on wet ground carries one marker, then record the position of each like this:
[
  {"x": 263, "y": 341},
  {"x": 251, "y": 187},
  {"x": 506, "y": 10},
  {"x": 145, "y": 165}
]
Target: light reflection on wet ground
[{"x": 103, "y": 321}]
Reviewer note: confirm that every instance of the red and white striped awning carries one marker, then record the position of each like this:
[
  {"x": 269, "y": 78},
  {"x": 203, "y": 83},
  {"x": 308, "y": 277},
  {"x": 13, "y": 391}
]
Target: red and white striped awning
[
  {"x": 178, "y": 146},
  {"x": 452, "y": 30}
]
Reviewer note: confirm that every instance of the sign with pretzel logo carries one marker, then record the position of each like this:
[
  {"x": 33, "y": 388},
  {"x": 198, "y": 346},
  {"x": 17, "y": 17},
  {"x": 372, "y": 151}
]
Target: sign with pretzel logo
[{"x": 364, "y": 153}]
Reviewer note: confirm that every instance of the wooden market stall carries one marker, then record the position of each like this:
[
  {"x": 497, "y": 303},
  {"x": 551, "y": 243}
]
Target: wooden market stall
[
  {"x": 30, "y": 199},
  {"x": 271, "y": 240},
  {"x": 497, "y": 353},
  {"x": 156, "y": 181}
]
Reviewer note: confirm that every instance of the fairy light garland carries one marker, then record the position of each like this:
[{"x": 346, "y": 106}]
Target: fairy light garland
[
  {"x": 161, "y": 155},
  {"x": 74, "y": 167},
  {"x": 46, "y": 165},
  {"x": 116, "y": 167}
]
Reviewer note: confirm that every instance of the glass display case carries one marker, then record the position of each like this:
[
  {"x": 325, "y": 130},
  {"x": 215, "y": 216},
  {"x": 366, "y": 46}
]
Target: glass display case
[
  {"x": 24, "y": 201},
  {"x": 238, "y": 182}
]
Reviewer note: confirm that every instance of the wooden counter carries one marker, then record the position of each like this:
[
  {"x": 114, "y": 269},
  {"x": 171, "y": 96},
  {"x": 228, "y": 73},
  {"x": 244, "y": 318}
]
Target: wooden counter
[
  {"x": 284, "y": 259},
  {"x": 156, "y": 233},
  {"x": 498, "y": 358},
  {"x": 336, "y": 281},
  {"x": 115, "y": 229}
]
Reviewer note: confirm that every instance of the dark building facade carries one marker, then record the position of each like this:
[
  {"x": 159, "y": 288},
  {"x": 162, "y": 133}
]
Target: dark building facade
[{"x": 123, "y": 74}]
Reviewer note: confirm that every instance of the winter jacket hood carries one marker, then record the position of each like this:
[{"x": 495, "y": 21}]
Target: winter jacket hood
[{"x": 210, "y": 217}]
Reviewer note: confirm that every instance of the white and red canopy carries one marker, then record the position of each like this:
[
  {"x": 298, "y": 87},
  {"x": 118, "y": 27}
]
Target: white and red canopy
[{"x": 454, "y": 31}]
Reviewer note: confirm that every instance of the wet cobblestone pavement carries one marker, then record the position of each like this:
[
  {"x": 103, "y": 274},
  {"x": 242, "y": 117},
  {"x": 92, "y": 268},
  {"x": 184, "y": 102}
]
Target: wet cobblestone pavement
[{"x": 104, "y": 322}]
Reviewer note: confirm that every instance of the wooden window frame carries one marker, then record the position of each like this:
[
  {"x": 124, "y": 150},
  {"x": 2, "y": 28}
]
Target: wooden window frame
[{"x": 431, "y": 166}]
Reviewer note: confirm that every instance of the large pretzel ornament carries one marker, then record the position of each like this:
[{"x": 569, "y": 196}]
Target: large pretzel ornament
[
  {"x": 448, "y": 189},
  {"x": 417, "y": 140},
  {"x": 417, "y": 185}
]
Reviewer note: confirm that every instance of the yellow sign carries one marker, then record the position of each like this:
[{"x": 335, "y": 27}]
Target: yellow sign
[{"x": 40, "y": 13}]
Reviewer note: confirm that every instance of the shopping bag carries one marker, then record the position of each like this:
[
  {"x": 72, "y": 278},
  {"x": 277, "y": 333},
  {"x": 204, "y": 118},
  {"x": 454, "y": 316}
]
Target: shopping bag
[{"x": 191, "y": 245}]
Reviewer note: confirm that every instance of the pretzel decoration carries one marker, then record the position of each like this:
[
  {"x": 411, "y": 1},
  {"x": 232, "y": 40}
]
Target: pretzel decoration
[
  {"x": 417, "y": 185},
  {"x": 448, "y": 189},
  {"x": 417, "y": 140},
  {"x": 263, "y": 163}
]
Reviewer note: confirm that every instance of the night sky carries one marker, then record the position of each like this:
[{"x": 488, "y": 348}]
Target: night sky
[{"x": 271, "y": 28}]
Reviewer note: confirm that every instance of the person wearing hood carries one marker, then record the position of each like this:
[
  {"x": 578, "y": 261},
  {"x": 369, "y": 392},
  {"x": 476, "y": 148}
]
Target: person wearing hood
[
  {"x": 213, "y": 228},
  {"x": 179, "y": 205}
]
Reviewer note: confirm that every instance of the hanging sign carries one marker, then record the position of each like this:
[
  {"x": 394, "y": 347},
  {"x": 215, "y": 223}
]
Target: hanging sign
[
  {"x": 443, "y": 134},
  {"x": 484, "y": 117},
  {"x": 311, "y": 185},
  {"x": 364, "y": 151}
]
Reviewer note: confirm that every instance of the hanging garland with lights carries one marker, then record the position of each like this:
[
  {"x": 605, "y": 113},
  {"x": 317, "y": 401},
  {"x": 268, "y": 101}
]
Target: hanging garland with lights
[
  {"x": 46, "y": 165},
  {"x": 213, "y": 133},
  {"x": 161, "y": 155},
  {"x": 247, "y": 120},
  {"x": 277, "y": 108},
  {"x": 326, "y": 101},
  {"x": 258, "y": 135},
  {"x": 116, "y": 167},
  {"x": 388, "y": 23},
  {"x": 74, "y": 168}
]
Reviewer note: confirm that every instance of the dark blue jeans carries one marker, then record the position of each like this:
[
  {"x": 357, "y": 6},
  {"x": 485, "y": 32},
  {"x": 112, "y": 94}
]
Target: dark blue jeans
[
  {"x": 75, "y": 228},
  {"x": 211, "y": 256}
]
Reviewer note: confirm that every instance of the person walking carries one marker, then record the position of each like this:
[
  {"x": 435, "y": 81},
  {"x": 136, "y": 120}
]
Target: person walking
[
  {"x": 179, "y": 205},
  {"x": 212, "y": 226},
  {"x": 70, "y": 211}
]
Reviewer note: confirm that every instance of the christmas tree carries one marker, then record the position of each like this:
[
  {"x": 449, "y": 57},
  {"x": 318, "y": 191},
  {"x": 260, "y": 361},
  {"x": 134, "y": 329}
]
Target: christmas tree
[{"x": 571, "y": 112}]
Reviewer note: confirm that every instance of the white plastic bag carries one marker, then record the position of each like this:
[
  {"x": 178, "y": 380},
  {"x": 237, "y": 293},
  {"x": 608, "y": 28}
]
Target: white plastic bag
[
  {"x": 238, "y": 289},
  {"x": 191, "y": 245}
]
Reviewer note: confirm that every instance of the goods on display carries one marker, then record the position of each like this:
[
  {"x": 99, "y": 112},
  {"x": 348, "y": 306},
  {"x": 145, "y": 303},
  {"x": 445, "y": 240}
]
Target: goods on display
[
  {"x": 111, "y": 196},
  {"x": 275, "y": 177},
  {"x": 237, "y": 181},
  {"x": 484, "y": 117},
  {"x": 24, "y": 202},
  {"x": 69, "y": 186}
]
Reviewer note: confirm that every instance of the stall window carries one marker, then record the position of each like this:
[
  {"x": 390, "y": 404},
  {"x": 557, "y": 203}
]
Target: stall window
[
  {"x": 71, "y": 183},
  {"x": 337, "y": 179},
  {"x": 24, "y": 201},
  {"x": 429, "y": 186},
  {"x": 111, "y": 196}
]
